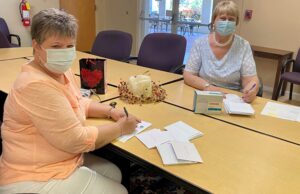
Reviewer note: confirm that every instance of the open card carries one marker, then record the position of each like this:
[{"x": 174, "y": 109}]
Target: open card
[{"x": 175, "y": 152}]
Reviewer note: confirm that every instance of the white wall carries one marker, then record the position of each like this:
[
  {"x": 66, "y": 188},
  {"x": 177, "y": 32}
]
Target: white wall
[{"x": 9, "y": 10}]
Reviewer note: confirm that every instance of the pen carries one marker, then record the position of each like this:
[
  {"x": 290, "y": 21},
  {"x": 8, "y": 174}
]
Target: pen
[
  {"x": 252, "y": 87},
  {"x": 126, "y": 112},
  {"x": 145, "y": 72}
]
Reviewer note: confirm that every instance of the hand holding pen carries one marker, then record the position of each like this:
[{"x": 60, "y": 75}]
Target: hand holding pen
[
  {"x": 128, "y": 123},
  {"x": 249, "y": 94}
]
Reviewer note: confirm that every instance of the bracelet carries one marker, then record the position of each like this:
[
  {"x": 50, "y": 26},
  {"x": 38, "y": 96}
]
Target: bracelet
[{"x": 109, "y": 112}]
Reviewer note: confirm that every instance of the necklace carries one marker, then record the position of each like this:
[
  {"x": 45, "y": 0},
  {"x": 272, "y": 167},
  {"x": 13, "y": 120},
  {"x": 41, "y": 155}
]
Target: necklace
[{"x": 221, "y": 44}]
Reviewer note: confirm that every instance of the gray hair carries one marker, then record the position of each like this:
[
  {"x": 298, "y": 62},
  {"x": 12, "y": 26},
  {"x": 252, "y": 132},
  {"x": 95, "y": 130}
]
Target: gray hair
[{"x": 51, "y": 22}]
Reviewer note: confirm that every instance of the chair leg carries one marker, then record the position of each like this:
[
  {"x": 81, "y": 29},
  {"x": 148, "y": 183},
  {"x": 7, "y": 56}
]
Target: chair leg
[
  {"x": 291, "y": 91},
  {"x": 278, "y": 89}
]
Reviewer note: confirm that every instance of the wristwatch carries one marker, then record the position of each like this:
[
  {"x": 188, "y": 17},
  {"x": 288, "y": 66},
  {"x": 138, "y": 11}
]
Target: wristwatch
[{"x": 206, "y": 85}]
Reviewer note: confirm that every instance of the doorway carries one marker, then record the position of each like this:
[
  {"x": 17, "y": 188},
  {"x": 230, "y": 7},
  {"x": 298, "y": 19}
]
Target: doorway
[
  {"x": 189, "y": 18},
  {"x": 84, "y": 11}
]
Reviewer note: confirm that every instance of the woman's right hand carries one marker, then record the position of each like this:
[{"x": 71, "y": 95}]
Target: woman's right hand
[{"x": 127, "y": 124}]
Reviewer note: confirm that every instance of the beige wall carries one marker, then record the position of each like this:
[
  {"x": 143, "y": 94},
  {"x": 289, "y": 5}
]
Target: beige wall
[
  {"x": 275, "y": 24},
  {"x": 118, "y": 15},
  {"x": 9, "y": 10}
]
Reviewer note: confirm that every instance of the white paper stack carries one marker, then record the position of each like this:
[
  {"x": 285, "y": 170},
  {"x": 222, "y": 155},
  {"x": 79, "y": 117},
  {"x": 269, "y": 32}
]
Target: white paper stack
[
  {"x": 140, "y": 127},
  {"x": 182, "y": 131},
  {"x": 176, "y": 152},
  {"x": 173, "y": 145},
  {"x": 233, "y": 104},
  {"x": 154, "y": 137}
]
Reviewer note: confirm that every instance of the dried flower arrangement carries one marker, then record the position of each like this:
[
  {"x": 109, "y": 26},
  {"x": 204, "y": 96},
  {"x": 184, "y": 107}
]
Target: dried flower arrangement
[{"x": 158, "y": 94}]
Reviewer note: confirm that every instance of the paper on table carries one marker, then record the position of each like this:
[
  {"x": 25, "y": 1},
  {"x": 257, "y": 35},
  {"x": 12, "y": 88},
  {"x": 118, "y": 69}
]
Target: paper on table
[
  {"x": 140, "y": 127},
  {"x": 186, "y": 151},
  {"x": 282, "y": 111},
  {"x": 170, "y": 151},
  {"x": 168, "y": 156},
  {"x": 183, "y": 131},
  {"x": 241, "y": 108},
  {"x": 234, "y": 104},
  {"x": 234, "y": 98},
  {"x": 153, "y": 137}
]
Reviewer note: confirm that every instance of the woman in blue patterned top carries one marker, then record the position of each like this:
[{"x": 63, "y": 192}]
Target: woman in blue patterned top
[{"x": 223, "y": 59}]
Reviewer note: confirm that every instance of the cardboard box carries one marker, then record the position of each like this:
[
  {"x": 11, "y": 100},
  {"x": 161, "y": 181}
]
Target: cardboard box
[{"x": 208, "y": 102}]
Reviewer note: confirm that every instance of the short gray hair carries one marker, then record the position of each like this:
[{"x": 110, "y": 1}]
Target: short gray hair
[{"x": 51, "y": 22}]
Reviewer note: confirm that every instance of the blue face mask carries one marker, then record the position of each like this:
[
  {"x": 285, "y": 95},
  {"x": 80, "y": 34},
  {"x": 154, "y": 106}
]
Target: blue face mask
[
  {"x": 225, "y": 28},
  {"x": 59, "y": 60}
]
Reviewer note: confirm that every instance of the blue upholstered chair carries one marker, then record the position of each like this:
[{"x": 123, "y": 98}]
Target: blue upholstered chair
[
  {"x": 113, "y": 44},
  {"x": 162, "y": 51},
  {"x": 293, "y": 77},
  {"x": 4, "y": 41},
  {"x": 3, "y": 96},
  {"x": 4, "y": 29}
]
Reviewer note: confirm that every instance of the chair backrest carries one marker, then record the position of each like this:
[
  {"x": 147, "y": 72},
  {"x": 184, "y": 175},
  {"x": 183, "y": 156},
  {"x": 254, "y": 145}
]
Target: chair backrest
[
  {"x": 3, "y": 96},
  {"x": 113, "y": 44},
  {"x": 4, "y": 28},
  {"x": 4, "y": 41},
  {"x": 162, "y": 51},
  {"x": 296, "y": 66}
]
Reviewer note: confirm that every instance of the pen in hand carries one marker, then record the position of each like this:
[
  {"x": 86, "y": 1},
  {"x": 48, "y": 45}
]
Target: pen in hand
[
  {"x": 253, "y": 86},
  {"x": 126, "y": 112}
]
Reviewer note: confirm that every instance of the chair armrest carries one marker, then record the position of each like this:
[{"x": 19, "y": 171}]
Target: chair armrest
[
  {"x": 285, "y": 64},
  {"x": 18, "y": 38},
  {"x": 178, "y": 69},
  {"x": 261, "y": 87}
]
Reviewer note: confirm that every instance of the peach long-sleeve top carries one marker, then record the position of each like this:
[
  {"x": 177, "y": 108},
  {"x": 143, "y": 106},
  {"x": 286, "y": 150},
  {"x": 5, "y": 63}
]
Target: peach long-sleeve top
[{"x": 43, "y": 130}]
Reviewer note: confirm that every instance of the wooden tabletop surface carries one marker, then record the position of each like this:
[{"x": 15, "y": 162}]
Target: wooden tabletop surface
[
  {"x": 235, "y": 160},
  {"x": 182, "y": 95}
]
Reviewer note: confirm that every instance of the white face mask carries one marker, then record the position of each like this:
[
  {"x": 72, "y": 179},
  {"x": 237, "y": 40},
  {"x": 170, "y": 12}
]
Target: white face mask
[{"x": 59, "y": 60}]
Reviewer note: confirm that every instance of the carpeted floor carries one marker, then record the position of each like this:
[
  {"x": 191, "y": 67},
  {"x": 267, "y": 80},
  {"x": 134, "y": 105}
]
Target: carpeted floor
[{"x": 143, "y": 181}]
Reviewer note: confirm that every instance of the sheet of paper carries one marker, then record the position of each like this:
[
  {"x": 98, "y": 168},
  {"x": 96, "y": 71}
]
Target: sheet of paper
[
  {"x": 234, "y": 98},
  {"x": 153, "y": 137},
  {"x": 168, "y": 156},
  {"x": 238, "y": 108},
  {"x": 140, "y": 127},
  {"x": 282, "y": 111},
  {"x": 186, "y": 151},
  {"x": 183, "y": 130}
]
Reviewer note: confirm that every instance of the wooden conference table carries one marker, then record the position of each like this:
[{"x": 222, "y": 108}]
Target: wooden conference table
[
  {"x": 237, "y": 159},
  {"x": 15, "y": 53},
  {"x": 182, "y": 95}
]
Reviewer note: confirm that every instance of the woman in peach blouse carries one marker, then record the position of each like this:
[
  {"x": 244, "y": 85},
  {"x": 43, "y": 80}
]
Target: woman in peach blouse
[{"x": 43, "y": 132}]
